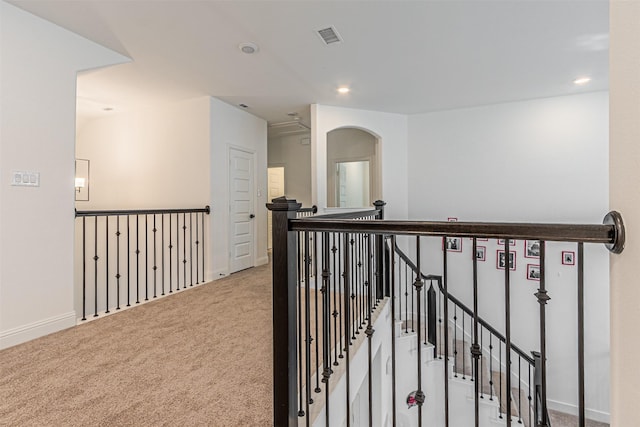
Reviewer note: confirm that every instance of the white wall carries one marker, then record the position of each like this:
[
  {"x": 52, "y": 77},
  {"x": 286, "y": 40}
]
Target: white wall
[
  {"x": 287, "y": 151},
  {"x": 535, "y": 161},
  {"x": 37, "y": 98},
  {"x": 391, "y": 130},
  {"x": 624, "y": 67},
  {"x": 231, "y": 127},
  {"x": 148, "y": 159}
]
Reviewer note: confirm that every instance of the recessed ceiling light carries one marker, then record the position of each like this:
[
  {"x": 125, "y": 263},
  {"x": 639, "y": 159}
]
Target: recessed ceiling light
[
  {"x": 248, "y": 48},
  {"x": 582, "y": 80},
  {"x": 344, "y": 89}
]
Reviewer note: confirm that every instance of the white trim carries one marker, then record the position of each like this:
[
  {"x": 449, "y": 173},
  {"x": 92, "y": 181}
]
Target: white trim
[
  {"x": 37, "y": 329},
  {"x": 262, "y": 261},
  {"x": 568, "y": 408}
]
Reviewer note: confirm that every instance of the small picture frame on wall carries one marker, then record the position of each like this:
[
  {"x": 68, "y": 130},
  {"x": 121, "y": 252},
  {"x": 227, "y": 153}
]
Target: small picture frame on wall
[
  {"x": 453, "y": 244},
  {"x": 532, "y": 248},
  {"x": 511, "y": 242},
  {"x": 452, "y": 219},
  {"x": 568, "y": 258},
  {"x": 481, "y": 253},
  {"x": 533, "y": 272},
  {"x": 500, "y": 261}
]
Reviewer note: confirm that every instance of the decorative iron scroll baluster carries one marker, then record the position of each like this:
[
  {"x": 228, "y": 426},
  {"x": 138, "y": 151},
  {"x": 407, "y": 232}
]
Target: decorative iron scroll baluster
[
  {"x": 95, "y": 266},
  {"x": 326, "y": 323},
  {"x": 418, "y": 284},
  {"x": 491, "y": 366}
]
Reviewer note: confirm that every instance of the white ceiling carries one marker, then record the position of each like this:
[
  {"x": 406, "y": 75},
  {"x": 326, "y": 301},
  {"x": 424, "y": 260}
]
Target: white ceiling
[{"x": 397, "y": 56}]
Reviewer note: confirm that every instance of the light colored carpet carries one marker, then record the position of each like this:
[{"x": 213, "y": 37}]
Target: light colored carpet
[{"x": 171, "y": 362}]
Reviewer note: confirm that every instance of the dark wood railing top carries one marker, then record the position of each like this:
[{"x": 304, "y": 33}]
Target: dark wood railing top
[
  {"x": 206, "y": 210},
  {"x": 588, "y": 233}
]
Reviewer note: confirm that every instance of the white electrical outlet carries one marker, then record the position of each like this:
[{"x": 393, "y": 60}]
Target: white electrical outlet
[{"x": 25, "y": 178}]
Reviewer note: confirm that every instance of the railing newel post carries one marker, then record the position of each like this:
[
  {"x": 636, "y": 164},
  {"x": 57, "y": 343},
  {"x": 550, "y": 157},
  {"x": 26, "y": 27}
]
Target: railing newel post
[{"x": 284, "y": 312}]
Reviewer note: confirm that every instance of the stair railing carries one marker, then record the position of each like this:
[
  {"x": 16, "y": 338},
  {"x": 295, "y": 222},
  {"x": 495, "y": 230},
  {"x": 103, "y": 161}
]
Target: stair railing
[
  {"x": 350, "y": 260},
  {"x": 138, "y": 255}
]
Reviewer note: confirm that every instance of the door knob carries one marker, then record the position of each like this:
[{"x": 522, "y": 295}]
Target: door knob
[{"x": 252, "y": 216}]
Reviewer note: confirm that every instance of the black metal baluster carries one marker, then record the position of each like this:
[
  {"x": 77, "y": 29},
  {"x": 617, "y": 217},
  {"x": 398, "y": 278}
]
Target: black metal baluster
[
  {"x": 95, "y": 266},
  {"x": 581, "y": 405},
  {"x": 155, "y": 264},
  {"x": 346, "y": 329},
  {"x": 406, "y": 299},
  {"x": 170, "y": 257},
  {"x": 177, "y": 252},
  {"x": 162, "y": 242},
  {"x": 342, "y": 285},
  {"x": 106, "y": 271},
  {"x": 455, "y": 340},
  {"x": 413, "y": 311},
  {"x": 203, "y": 241},
  {"x": 191, "y": 248},
  {"x": 369, "y": 331},
  {"x": 464, "y": 363},
  {"x": 84, "y": 268},
  {"x": 507, "y": 314},
  {"x": 440, "y": 329},
  {"x": 326, "y": 322},
  {"x": 184, "y": 250},
  {"x": 146, "y": 257},
  {"x": 335, "y": 313},
  {"x": 393, "y": 335},
  {"x": 137, "y": 259},
  {"x": 353, "y": 285},
  {"x": 128, "y": 263},
  {"x": 315, "y": 280},
  {"x": 543, "y": 297},
  {"x": 307, "y": 333},
  {"x": 118, "y": 262},
  {"x": 445, "y": 299},
  {"x": 418, "y": 284},
  {"x": 529, "y": 396},
  {"x": 500, "y": 396},
  {"x": 480, "y": 374},
  {"x": 301, "y": 411},
  {"x": 476, "y": 350},
  {"x": 197, "y": 250},
  {"x": 491, "y": 365},
  {"x": 519, "y": 390}
]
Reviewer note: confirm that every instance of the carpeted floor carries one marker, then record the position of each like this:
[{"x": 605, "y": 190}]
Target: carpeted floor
[{"x": 156, "y": 365}]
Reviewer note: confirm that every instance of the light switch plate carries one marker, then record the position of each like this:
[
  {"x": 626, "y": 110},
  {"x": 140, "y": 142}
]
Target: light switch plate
[{"x": 25, "y": 178}]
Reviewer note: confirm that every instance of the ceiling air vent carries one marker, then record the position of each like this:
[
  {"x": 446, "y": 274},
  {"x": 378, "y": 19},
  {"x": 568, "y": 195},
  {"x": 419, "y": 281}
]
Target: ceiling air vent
[{"x": 329, "y": 35}]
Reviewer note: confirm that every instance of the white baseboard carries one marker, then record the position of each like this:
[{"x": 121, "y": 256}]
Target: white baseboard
[
  {"x": 37, "y": 329},
  {"x": 568, "y": 408},
  {"x": 262, "y": 260}
]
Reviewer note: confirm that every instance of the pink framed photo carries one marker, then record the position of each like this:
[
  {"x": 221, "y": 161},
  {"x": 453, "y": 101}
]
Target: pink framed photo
[
  {"x": 500, "y": 260},
  {"x": 533, "y": 272},
  {"x": 568, "y": 258},
  {"x": 452, "y": 219},
  {"x": 453, "y": 244},
  {"x": 481, "y": 253},
  {"x": 532, "y": 248},
  {"x": 511, "y": 242}
]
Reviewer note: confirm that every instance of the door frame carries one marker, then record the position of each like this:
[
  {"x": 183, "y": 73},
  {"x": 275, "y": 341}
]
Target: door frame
[
  {"x": 284, "y": 192},
  {"x": 254, "y": 252}
]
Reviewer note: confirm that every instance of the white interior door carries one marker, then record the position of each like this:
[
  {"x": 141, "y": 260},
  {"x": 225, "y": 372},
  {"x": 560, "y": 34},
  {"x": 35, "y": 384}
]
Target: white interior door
[
  {"x": 241, "y": 205},
  {"x": 275, "y": 183}
]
